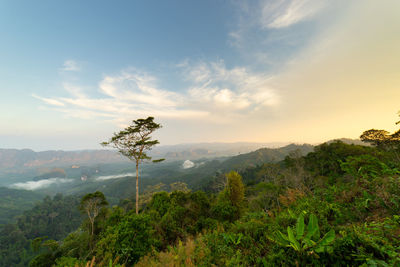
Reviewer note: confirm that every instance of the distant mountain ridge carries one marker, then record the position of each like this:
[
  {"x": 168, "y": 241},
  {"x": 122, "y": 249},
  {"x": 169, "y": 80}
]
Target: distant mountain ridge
[
  {"x": 27, "y": 158},
  {"x": 11, "y": 159},
  {"x": 264, "y": 155}
]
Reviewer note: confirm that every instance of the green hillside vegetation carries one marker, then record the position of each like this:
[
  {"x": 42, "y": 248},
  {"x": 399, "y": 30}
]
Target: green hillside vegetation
[
  {"x": 336, "y": 206},
  {"x": 167, "y": 176}
]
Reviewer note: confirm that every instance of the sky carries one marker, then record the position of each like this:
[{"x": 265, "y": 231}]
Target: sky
[{"x": 306, "y": 71}]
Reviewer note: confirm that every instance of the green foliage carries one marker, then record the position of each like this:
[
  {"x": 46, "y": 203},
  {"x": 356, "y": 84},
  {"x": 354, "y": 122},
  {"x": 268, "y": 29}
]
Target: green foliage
[
  {"x": 13, "y": 202},
  {"x": 383, "y": 140},
  {"x": 264, "y": 196},
  {"x": 160, "y": 202},
  {"x": 235, "y": 189},
  {"x": 179, "y": 214},
  {"x": 129, "y": 240},
  {"x": 181, "y": 255},
  {"x": 49, "y": 249},
  {"x": 135, "y": 140},
  {"x": 326, "y": 158},
  {"x": 69, "y": 261},
  {"x": 306, "y": 243},
  {"x": 15, "y": 249},
  {"x": 224, "y": 211},
  {"x": 93, "y": 205},
  {"x": 369, "y": 244},
  {"x": 366, "y": 166},
  {"x": 53, "y": 217},
  {"x": 230, "y": 201},
  {"x": 76, "y": 245}
]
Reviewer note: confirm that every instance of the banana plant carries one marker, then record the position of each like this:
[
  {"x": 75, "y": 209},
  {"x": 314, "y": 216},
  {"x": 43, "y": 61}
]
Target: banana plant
[
  {"x": 308, "y": 240},
  {"x": 232, "y": 238}
]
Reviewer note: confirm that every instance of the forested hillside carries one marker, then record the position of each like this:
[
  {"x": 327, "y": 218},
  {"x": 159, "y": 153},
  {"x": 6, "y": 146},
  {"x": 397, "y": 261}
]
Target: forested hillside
[
  {"x": 338, "y": 205},
  {"x": 46, "y": 218}
]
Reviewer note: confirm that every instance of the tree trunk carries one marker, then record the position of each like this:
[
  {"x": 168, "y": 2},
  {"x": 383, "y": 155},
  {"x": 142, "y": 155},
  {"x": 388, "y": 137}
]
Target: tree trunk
[
  {"x": 137, "y": 188},
  {"x": 91, "y": 233},
  {"x": 92, "y": 228}
]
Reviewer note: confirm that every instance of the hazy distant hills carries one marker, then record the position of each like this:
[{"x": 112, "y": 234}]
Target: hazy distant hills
[
  {"x": 26, "y": 158},
  {"x": 195, "y": 177},
  {"x": 208, "y": 150},
  {"x": 18, "y": 160}
]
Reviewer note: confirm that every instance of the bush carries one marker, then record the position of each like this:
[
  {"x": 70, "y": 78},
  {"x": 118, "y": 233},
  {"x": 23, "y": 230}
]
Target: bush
[{"x": 129, "y": 240}]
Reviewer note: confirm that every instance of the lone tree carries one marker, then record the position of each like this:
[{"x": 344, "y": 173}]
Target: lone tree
[
  {"x": 383, "y": 139},
  {"x": 133, "y": 142}
]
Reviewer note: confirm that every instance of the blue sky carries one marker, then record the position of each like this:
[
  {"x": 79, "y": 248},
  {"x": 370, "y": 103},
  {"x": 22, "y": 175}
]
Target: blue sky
[{"x": 74, "y": 72}]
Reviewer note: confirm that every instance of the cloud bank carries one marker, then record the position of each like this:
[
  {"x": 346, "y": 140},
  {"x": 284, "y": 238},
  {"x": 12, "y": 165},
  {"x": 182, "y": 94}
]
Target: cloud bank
[
  {"x": 118, "y": 176},
  {"x": 41, "y": 184}
]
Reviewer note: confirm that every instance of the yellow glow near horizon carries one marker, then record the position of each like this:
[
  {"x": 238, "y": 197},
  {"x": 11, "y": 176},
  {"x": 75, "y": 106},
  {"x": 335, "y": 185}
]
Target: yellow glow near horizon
[{"x": 346, "y": 82}]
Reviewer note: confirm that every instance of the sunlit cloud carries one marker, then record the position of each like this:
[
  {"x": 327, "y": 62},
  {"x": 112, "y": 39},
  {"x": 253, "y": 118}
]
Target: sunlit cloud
[
  {"x": 131, "y": 93},
  {"x": 235, "y": 88}
]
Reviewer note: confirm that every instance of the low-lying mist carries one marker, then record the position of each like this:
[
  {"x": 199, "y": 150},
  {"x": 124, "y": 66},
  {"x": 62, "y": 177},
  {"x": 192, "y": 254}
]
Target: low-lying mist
[{"x": 36, "y": 185}]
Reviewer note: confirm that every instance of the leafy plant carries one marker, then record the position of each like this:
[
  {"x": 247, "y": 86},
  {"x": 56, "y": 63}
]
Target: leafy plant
[
  {"x": 306, "y": 242},
  {"x": 232, "y": 238}
]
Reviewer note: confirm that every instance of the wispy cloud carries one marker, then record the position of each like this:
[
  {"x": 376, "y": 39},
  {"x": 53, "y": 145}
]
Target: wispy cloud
[
  {"x": 36, "y": 185},
  {"x": 265, "y": 28},
  {"x": 49, "y": 101},
  {"x": 71, "y": 65},
  {"x": 285, "y": 13}
]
